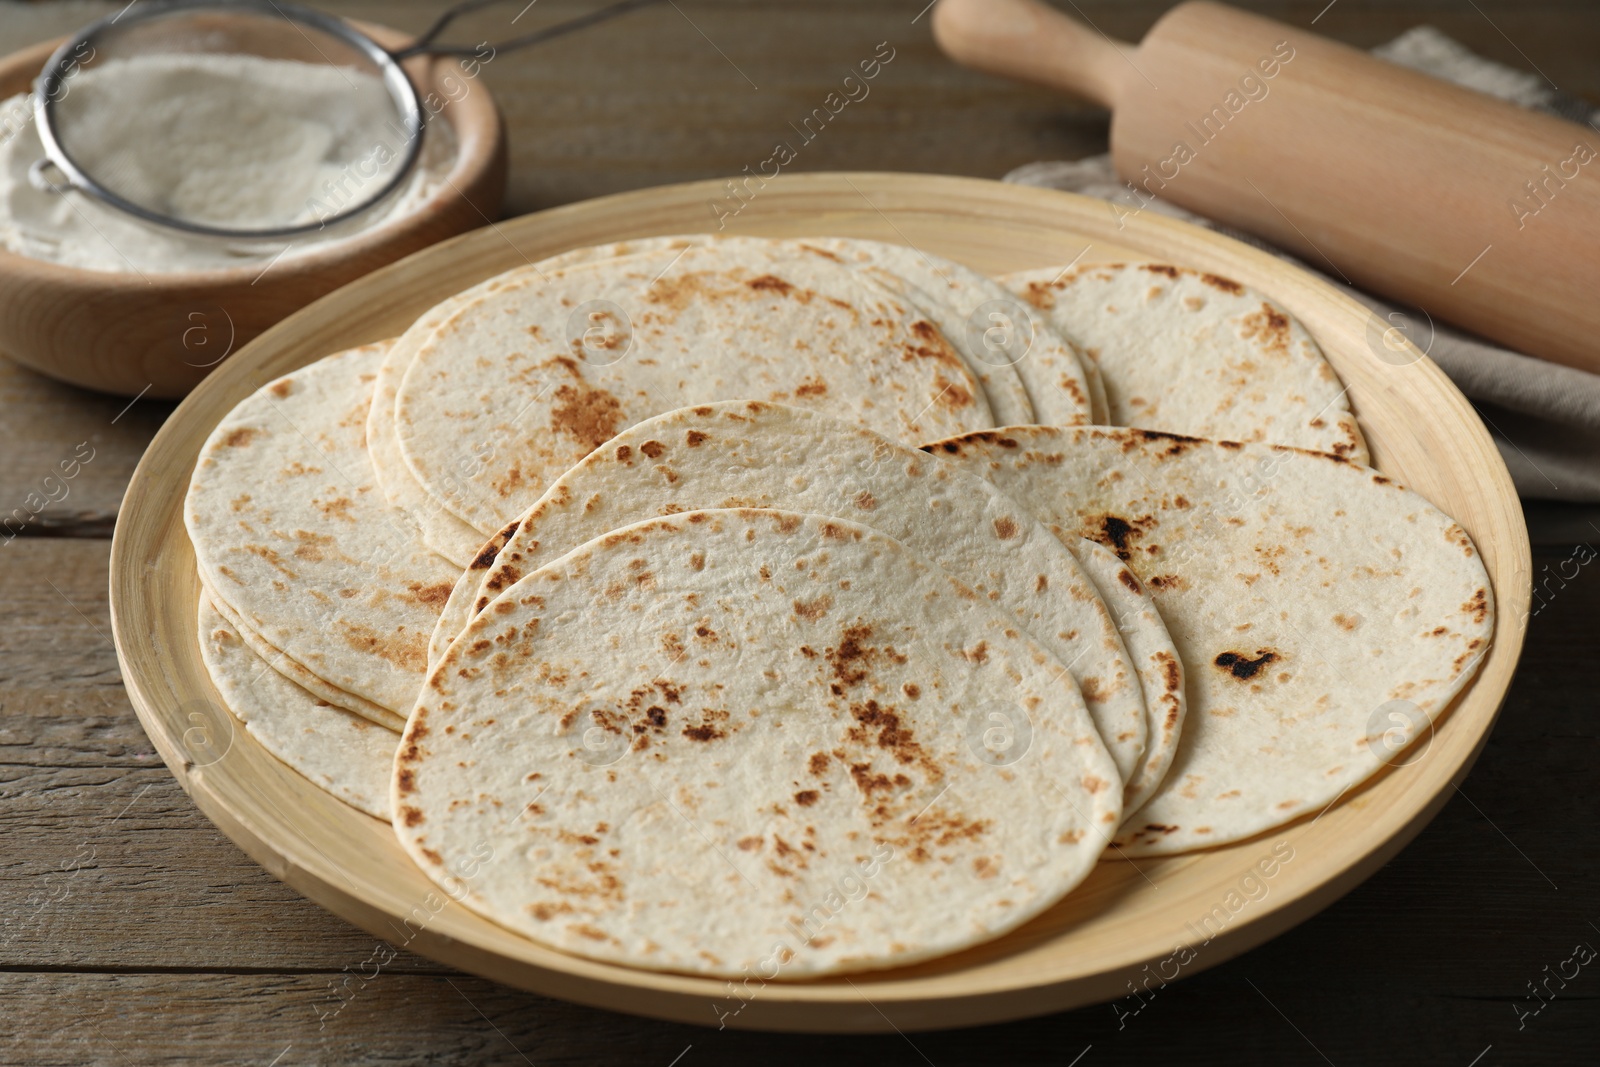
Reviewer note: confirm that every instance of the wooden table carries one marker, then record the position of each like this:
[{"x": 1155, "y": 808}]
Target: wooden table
[{"x": 132, "y": 932}]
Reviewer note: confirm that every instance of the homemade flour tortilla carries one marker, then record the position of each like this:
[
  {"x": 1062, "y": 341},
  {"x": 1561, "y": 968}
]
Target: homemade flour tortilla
[
  {"x": 1196, "y": 354},
  {"x": 726, "y": 737},
  {"x": 531, "y": 377},
  {"x": 1154, "y": 657},
  {"x": 298, "y": 673},
  {"x": 1032, "y": 375},
  {"x": 997, "y": 330},
  {"x": 291, "y": 532},
  {"x": 750, "y": 454},
  {"x": 343, "y": 753},
  {"x": 441, "y": 531},
  {"x": 1323, "y": 613}
]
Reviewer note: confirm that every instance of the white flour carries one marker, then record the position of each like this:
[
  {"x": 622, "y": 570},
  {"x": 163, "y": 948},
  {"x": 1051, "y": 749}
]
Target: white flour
[{"x": 235, "y": 141}]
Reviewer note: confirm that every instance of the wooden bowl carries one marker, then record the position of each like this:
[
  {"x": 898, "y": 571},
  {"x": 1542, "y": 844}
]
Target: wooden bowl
[
  {"x": 1174, "y": 915},
  {"x": 128, "y": 333}
]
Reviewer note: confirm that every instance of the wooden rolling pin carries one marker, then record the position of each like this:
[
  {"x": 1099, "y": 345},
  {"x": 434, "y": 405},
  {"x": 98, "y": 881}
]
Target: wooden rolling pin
[{"x": 1483, "y": 213}]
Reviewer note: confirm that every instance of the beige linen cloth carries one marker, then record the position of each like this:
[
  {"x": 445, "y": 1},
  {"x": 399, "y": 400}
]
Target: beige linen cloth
[{"x": 1544, "y": 418}]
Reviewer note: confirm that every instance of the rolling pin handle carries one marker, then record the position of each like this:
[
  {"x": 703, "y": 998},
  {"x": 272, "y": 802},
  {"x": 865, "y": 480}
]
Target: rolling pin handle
[{"x": 1033, "y": 42}]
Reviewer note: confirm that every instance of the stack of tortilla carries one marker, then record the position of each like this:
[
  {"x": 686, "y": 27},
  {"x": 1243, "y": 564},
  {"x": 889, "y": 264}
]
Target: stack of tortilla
[{"x": 716, "y": 604}]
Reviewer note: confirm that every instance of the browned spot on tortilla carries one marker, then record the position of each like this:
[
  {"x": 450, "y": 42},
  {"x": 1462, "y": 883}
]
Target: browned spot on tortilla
[
  {"x": 818, "y": 762},
  {"x": 1126, "y": 577},
  {"x": 282, "y": 388},
  {"x": 977, "y": 654},
  {"x": 1005, "y": 528},
  {"x": 653, "y": 449},
  {"x": 271, "y": 556},
  {"x": 866, "y": 501},
  {"x": 410, "y": 816},
  {"x": 697, "y": 560},
  {"x": 1170, "y": 670},
  {"x": 544, "y": 911},
  {"x": 1345, "y": 622},
  {"x": 1227, "y": 285},
  {"x": 813, "y": 609},
  {"x": 624, "y": 454},
  {"x": 1177, "y": 443},
  {"x": 309, "y": 546},
  {"x": 952, "y": 396},
  {"x": 1478, "y": 606},
  {"x": 434, "y": 596},
  {"x": 811, "y": 388},
  {"x": 1042, "y": 584},
  {"x": 770, "y": 283},
  {"x": 866, "y": 781},
  {"x": 787, "y": 522},
  {"x": 239, "y": 437},
  {"x": 694, "y": 438},
  {"x": 1268, "y": 327},
  {"x": 1242, "y": 666},
  {"x": 1115, "y": 533},
  {"x": 892, "y": 735},
  {"x": 806, "y": 797},
  {"x": 589, "y": 416},
  {"x": 407, "y": 651},
  {"x": 1161, "y": 268},
  {"x": 1040, "y": 295},
  {"x": 491, "y": 550},
  {"x": 704, "y": 732},
  {"x": 850, "y": 660},
  {"x": 1166, "y": 581},
  {"x": 911, "y": 689}
]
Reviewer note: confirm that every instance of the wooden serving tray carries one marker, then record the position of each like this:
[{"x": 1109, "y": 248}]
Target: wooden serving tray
[{"x": 1130, "y": 926}]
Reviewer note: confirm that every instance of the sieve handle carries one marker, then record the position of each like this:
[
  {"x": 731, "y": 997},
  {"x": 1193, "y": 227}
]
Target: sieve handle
[
  {"x": 424, "y": 45},
  {"x": 41, "y": 181}
]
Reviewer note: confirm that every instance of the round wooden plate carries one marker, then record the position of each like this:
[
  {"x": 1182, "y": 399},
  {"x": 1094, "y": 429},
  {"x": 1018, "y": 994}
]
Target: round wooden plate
[{"x": 1131, "y": 926}]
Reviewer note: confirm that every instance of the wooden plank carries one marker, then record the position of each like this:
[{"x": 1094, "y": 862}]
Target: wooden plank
[
  {"x": 1241, "y": 1014},
  {"x": 69, "y": 454},
  {"x": 93, "y": 820}
]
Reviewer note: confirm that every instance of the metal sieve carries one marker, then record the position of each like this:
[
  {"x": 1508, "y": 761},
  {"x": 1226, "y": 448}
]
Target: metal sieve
[{"x": 326, "y": 142}]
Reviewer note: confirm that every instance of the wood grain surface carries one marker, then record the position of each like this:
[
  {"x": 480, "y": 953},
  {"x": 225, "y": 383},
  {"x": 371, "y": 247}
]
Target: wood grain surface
[{"x": 165, "y": 944}]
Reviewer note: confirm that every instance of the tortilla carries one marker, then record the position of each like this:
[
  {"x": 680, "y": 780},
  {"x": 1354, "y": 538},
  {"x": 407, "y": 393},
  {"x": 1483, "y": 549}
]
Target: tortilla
[
  {"x": 997, "y": 329},
  {"x": 441, "y": 531},
  {"x": 1325, "y": 615},
  {"x": 534, "y": 375},
  {"x": 1154, "y": 657},
  {"x": 750, "y": 454},
  {"x": 1196, "y": 354},
  {"x": 731, "y": 740},
  {"x": 291, "y": 531},
  {"x": 1033, "y": 375},
  {"x": 340, "y": 752},
  {"x": 297, "y": 672}
]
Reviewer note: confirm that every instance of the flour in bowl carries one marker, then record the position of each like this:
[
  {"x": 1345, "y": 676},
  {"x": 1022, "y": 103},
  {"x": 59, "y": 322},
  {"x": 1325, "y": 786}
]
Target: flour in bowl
[{"x": 231, "y": 141}]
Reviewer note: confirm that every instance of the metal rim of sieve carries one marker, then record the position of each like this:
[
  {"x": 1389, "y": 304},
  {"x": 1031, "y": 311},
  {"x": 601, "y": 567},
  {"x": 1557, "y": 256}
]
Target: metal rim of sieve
[{"x": 52, "y": 80}]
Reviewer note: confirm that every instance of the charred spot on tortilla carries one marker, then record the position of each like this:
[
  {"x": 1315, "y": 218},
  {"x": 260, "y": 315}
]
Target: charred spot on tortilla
[{"x": 1241, "y": 665}]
